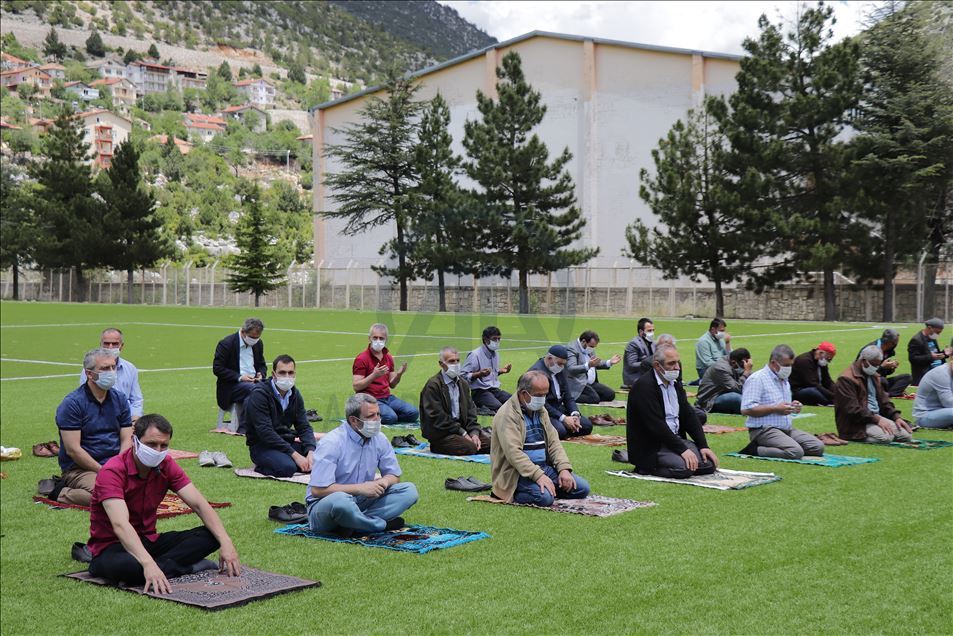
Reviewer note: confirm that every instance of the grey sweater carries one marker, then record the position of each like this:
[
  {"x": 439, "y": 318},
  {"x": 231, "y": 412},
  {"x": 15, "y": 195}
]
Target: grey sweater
[{"x": 935, "y": 391}]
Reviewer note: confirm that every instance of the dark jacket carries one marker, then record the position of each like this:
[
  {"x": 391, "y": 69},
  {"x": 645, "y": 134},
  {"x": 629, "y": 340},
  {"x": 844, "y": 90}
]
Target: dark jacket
[
  {"x": 850, "y": 403},
  {"x": 267, "y": 425},
  {"x": 804, "y": 375},
  {"x": 646, "y": 430},
  {"x": 921, "y": 356},
  {"x": 436, "y": 421},
  {"x": 226, "y": 367},
  {"x": 563, "y": 405},
  {"x": 889, "y": 353},
  {"x": 637, "y": 359}
]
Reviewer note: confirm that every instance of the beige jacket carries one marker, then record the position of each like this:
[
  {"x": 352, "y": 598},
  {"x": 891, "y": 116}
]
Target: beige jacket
[{"x": 507, "y": 459}]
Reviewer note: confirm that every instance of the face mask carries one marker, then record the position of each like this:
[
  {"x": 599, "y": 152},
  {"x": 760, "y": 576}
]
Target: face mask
[
  {"x": 933, "y": 336},
  {"x": 251, "y": 342},
  {"x": 284, "y": 384},
  {"x": 650, "y": 335},
  {"x": 105, "y": 380},
  {"x": 720, "y": 335},
  {"x": 370, "y": 428},
  {"x": 113, "y": 352},
  {"x": 493, "y": 345},
  {"x": 378, "y": 345},
  {"x": 823, "y": 362},
  {"x": 670, "y": 375},
  {"x": 870, "y": 369},
  {"x": 453, "y": 370},
  {"x": 536, "y": 402},
  {"x": 148, "y": 456},
  {"x": 590, "y": 351},
  {"x": 555, "y": 369},
  {"x": 784, "y": 372}
]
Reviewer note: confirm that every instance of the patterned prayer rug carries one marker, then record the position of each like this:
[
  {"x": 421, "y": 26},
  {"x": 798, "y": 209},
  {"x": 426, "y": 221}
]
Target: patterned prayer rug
[
  {"x": 181, "y": 454},
  {"x": 171, "y": 506},
  {"x": 423, "y": 450},
  {"x": 418, "y": 539},
  {"x": 718, "y": 429},
  {"x": 614, "y": 404},
  {"x": 830, "y": 461},
  {"x": 721, "y": 479},
  {"x": 297, "y": 478},
  {"x": 210, "y": 590},
  {"x": 916, "y": 444},
  {"x": 597, "y": 440},
  {"x": 591, "y": 506}
]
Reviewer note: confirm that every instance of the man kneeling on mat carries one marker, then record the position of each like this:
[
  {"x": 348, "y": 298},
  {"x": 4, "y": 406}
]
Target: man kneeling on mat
[
  {"x": 659, "y": 419},
  {"x": 122, "y": 522},
  {"x": 528, "y": 463},
  {"x": 343, "y": 495},
  {"x": 448, "y": 415}
]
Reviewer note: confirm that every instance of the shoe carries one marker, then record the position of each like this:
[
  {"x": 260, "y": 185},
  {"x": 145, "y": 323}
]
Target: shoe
[
  {"x": 621, "y": 456},
  {"x": 285, "y": 514},
  {"x": 298, "y": 508},
  {"x": 45, "y": 486},
  {"x": 81, "y": 553},
  {"x": 43, "y": 450},
  {"x": 399, "y": 441},
  {"x": 394, "y": 524},
  {"x": 220, "y": 460},
  {"x": 486, "y": 411},
  {"x": 479, "y": 484},
  {"x": 54, "y": 447},
  {"x": 313, "y": 416},
  {"x": 203, "y": 565},
  {"x": 461, "y": 484},
  {"x": 413, "y": 441},
  {"x": 205, "y": 459}
]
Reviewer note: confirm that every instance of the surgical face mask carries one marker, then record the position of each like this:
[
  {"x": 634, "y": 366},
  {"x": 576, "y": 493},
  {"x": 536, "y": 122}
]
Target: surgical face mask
[
  {"x": 493, "y": 345},
  {"x": 650, "y": 335},
  {"x": 555, "y": 369},
  {"x": 823, "y": 362},
  {"x": 369, "y": 428},
  {"x": 670, "y": 375},
  {"x": 933, "y": 336},
  {"x": 147, "y": 455},
  {"x": 105, "y": 380},
  {"x": 536, "y": 402},
  {"x": 720, "y": 335},
  {"x": 870, "y": 369},
  {"x": 113, "y": 352},
  {"x": 284, "y": 384},
  {"x": 784, "y": 372},
  {"x": 590, "y": 350},
  {"x": 251, "y": 342},
  {"x": 378, "y": 345},
  {"x": 453, "y": 370}
]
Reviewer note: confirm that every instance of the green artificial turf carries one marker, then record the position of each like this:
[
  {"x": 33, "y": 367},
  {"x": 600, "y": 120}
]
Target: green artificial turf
[{"x": 858, "y": 549}]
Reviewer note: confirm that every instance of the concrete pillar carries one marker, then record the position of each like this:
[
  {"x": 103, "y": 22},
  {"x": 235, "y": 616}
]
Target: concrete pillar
[
  {"x": 318, "y": 168},
  {"x": 588, "y": 187}
]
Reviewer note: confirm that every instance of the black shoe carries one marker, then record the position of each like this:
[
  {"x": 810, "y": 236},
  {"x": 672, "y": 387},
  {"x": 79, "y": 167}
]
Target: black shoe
[
  {"x": 394, "y": 524},
  {"x": 45, "y": 486},
  {"x": 486, "y": 411},
  {"x": 750, "y": 449},
  {"x": 285, "y": 514},
  {"x": 399, "y": 441},
  {"x": 203, "y": 565},
  {"x": 313, "y": 416},
  {"x": 81, "y": 553},
  {"x": 298, "y": 508},
  {"x": 621, "y": 456},
  {"x": 463, "y": 485},
  {"x": 479, "y": 484},
  {"x": 413, "y": 441}
]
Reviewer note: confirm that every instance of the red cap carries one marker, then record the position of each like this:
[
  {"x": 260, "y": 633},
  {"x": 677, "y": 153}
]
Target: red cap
[{"x": 828, "y": 347}]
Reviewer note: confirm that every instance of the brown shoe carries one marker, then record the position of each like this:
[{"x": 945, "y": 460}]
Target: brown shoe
[
  {"x": 54, "y": 447},
  {"x": 43, "y": 450}
]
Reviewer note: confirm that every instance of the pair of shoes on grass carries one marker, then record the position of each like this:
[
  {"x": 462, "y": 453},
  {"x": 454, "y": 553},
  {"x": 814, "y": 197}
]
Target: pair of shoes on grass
[
  {"x": 466, "y": 484},
  {"x": 313, "y": 416},
  {"x": 295, "y": 512},
  {"x": 46, "y": 449},
  {"x": 214, "y": 458},
  {"x": 404, "y": 441}
]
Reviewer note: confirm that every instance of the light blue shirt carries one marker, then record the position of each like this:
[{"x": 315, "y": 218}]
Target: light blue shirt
[
  {"x": 482, "y": 358},
  {"x": 343, "y": 456},
  {"x": 670, "y": 399},
  {"x": 872, "y": 405},
  {"x": 707, "y": 350},
  {"x": 246, "y": 358},
  {"x": 765, "y": 388},
  {"x": 284, "y": 400},
  {"x": 454, "y": 390},
  {"x": 127, "y": 381},
  {"x": 935, "y": 391}
]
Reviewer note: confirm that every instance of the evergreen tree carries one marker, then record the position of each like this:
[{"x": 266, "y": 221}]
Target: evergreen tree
[
  {"x": 296, "y": 73},
  {"x": 153, "y": 51},
  {"x": 225, "y": 71},
  {"x": 795, "y": 93},
  {"x": 52, "y": 47},
  {"x": 257, "y": 268},
  {"x": 256, "y": 70},
  {"x": 17, "y": 224},
  {"x": 532, "y": 201},
  {"x": 94, "y": 44},
  {"x": 69, "y": 218},
  {"x": 375, "y": 185},
  {"x": 702, "y": 230},
  {"x": 131, "y": 219},
  {"x": 130, "y": 56}
]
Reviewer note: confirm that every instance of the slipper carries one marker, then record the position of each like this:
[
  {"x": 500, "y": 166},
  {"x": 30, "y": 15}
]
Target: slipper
[
  {"x": 621, "y": 456},
  {"x": 461, "y": 484},
  {"x": 43, "y": 450},
  {"x": 476, "y": 482}
]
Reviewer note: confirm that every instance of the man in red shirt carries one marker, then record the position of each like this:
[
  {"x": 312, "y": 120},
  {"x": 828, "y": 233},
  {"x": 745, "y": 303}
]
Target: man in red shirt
[
  {"x": 122, "y": 522},
  {"x": 375, "y": 374}
]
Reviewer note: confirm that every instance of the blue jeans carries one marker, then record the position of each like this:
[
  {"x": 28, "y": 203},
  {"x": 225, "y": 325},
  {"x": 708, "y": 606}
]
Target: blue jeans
[
  {"x": 394, "y": 410},
  {"x": 811, "y": 396},
  {"x": 364, "y": 514},
  {"x": 940, "y": 418},
  {"x": 727, "y": 403},
  {"x": 270, "y": 461},
  {"x": 529, "y": 492}
]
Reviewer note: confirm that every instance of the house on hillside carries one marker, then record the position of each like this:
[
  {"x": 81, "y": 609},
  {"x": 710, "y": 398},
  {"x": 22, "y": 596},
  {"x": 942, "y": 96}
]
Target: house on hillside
[
  {"x": 190, "y": 78},
  {"x": 121, "y": 90},
  {"x": 107, "y": 68},
  {"x": 149, "y": 78},
  {"x": 204, "y": 127},
  {"x": 82, "y": 90},
  {"x": 185, "y": 147},
  {"x": 39, "y": 124},
  {"x": 12, "y": 63},
  {"x": 257, "y": 91},
  {"x": 55, "y": 71},
  {"x": 33, "y": 76},
  {"x": 104, "y": 131},
  {"x": 240, "y": 113}
]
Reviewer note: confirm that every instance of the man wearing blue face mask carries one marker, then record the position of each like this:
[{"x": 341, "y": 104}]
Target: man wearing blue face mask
[
  {"x": 343, "y": 494},
  {"x": 127, "y": 375},
  {"x": 560, "y": 404},
  {"x": 238, "y": 364},
  {"x": 94, "y": 425},
  {"x": 527, "y": 460}
]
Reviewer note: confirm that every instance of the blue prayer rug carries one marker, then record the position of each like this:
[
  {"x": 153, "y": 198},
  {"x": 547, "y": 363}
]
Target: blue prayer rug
[
  {"x": 418, "y": 539},
  {"x": 830, "y": 461},
  {"x": 915, "y": 444},
  {"x": 423, "y": 450}
]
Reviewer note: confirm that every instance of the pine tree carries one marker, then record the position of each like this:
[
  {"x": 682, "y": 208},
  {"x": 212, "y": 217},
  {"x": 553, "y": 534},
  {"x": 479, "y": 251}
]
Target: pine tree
[
  {"x": 296, "y": 73},
  {"x": 375, "y": 185},
  {"x": 153, "y": 51},
  {"x": 131, "y": 216},
  {"x": 17, "y": 223},
  {"x": 795, "y": 94},
  {"x": 94, "y": 44},
  {"x": 69, "y": 218},
  {"x": 257, "y": 268},
  {"x": 53, "y": 47},
  {"x": 532, "y": 201},
  {"x": 225, "y": 71}
]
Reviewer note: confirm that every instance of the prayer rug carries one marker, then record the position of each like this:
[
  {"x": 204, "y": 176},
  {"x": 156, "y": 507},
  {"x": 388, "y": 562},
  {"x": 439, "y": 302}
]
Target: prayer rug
[
  {"x": 422, "y": 450},
  {"x": 614, "y": 404},
  {"x": 225, "y": 431},
  {"x": 297, "y": 478},
  {"x": 721, "y": 479},
  {"x": 830, "y": 461},
  {"x": 418, "y": 539},
  {"x": 916, "y": 444},
  {"x": 796, "y": 416},
  {"x": 212, "y": 591},
  {"x": 597, "y": 440},
  {"x": 718, "y": 429},
  {"x": 591, "y": 506},
  {"x": 181, "y": 454},
  {"x": 171, "y": 506}
]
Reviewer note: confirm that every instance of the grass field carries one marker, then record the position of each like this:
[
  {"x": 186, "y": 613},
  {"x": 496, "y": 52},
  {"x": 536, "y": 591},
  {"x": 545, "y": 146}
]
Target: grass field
[{"x": 860, "y": 549}]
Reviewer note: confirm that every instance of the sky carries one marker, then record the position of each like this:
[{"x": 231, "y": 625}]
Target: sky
[{"x": 707, "y": 26}]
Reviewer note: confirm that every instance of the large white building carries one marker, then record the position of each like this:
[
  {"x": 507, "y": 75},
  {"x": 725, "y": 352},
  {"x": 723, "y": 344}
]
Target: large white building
[{"x": 610, "y": 102}]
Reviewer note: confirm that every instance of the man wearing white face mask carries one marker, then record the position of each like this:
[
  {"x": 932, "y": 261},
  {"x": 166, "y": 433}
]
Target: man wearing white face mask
[
  {"x": 766, "y": 400},
  {"x": 124, "y": 543},
  {"x": 448, "y": 415},
  {"x": 482, "y": 370},
  {"x": 238, "y": 364},
  {"x": 924, "y": 350},
  {"x": 862, "y": 408},
  {"x": 638, "y": 353},
  {"x": 274, "y": 419},
  {"x": 527, "y": 460},
  {"x": 343, "y": 495},
  {"x": 94, "y": 426},
  {"x": 810, "y": 379},
  {"x": 715, "y": 344},
  {"x": 127, "y": 375},
  {"x": 374, "y": 372},
  {"x": 581, "y": 370},
  {"x": 563, "y": 413}
]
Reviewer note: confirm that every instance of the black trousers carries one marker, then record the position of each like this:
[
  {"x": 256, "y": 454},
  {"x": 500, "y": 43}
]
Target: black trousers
[
  {"x": 895, "y": 385},
  {"x": 595, "y": 393},
  {"x": 174, "y": 552},
  {"x": 671, "y": 464},
  {"x": 490, "y": 398}
]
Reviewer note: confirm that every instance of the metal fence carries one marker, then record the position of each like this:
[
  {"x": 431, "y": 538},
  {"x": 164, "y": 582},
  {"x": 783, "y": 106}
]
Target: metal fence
[{"x": 621, "y": 290}]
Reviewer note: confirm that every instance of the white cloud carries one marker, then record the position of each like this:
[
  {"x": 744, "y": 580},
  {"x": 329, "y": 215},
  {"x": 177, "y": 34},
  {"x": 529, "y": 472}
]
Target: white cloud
[{"x": 708, "y": 26}]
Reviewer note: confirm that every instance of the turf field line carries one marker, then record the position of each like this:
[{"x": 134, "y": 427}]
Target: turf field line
[
  {"x": 807, "y": 333},
  {"x": 59, "y": 364}
]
